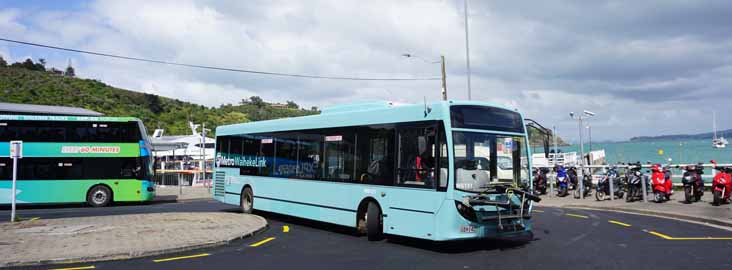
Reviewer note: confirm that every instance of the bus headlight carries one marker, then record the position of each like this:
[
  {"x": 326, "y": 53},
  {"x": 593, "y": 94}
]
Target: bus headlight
[{"x": 466, "y": 212}]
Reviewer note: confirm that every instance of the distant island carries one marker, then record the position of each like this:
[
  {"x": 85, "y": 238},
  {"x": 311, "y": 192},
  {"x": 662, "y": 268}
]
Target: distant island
[{"x": 680, "y": 137}]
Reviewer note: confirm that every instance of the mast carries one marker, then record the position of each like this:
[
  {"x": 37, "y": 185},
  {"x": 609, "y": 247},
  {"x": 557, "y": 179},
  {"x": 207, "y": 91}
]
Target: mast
[{"x": 714, "y": 125}]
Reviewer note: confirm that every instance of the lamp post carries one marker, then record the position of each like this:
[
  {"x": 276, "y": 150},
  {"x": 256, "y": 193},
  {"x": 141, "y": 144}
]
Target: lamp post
[
  {"x": 467, "y": 47},
  {"x": 586, "y": 114},
  {"x": 589, "y": 131},
  {"x": 442, "y": 70}
]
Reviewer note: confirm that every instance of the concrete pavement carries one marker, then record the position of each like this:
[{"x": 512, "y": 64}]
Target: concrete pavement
[
  {"x": 702, "y": 211},
  {"x": 62, "y": 240},
  {"x": 185, "y": 193}
]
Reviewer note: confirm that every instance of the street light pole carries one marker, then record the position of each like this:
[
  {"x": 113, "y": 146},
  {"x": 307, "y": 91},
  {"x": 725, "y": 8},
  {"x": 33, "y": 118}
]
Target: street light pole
[
  {"x": 442, "y": 70},
  {"x": 444, "y": 78},
  {"x": 467, "y": 47},
  {"x": 579, "y": 119}
]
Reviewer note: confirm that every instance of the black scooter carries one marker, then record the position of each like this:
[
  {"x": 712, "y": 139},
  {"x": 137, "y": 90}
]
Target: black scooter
[
  {"x": 634, "y": 186},
  {"x": 693, "y": 183},
  {"x": 603, "y": 186},
  {"x": 586, "y": 185}
]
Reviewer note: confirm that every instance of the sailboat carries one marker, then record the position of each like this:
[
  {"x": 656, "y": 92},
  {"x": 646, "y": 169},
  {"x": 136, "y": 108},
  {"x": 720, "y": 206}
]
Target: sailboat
[{"x": 717, "y": 142}]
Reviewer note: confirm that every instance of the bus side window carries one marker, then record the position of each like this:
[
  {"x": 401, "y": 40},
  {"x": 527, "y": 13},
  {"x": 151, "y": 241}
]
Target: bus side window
[
  {"x": 416, "y": 164},
  {"x": 375, "y": 155}
]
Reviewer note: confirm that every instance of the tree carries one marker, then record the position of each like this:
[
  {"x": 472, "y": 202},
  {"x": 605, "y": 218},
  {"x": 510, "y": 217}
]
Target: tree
[
  {"x": 70, "y": 71},
  {"x": 314, "y": 108},
  {"x": 257, "y": 101},
  {"x": 292, "y": 105},
  {"x": 3, "y": 63}
]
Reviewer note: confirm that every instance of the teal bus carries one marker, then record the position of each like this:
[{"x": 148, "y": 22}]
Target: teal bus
[
  {"x": 442, "y": 171},
  {"x": 76, "y": 159}
]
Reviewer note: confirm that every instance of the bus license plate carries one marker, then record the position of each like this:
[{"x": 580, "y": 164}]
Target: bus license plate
[{"x": 467, "y": 229}]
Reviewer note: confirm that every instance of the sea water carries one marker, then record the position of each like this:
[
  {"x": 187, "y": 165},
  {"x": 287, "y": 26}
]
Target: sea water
[{"x": 685, "y": 152}]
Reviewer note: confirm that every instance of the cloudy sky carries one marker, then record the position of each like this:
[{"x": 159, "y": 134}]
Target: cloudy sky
[{"x": 645, "y": 67}]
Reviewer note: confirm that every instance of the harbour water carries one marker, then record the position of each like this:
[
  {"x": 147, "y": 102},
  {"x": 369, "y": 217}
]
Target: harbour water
[{"x": 692, "y": 151}]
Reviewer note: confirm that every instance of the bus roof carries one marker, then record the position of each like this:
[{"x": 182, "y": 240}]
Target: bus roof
[
  {"x": 67, "y": 118},
  {"x": 364, "y": 113}
]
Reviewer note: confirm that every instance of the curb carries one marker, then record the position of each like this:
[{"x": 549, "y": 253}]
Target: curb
[
  {"x": 656, "y": 214},
  {"x": 180, "y": 200},
  {"x": 135, "y": 255}
]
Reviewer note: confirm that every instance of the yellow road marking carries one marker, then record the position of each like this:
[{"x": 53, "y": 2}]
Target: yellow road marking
[
  {"x": 577, "y": 216},
  {"x": 75, "y": 268},
  {"x": 285, "y": 228},
  {"x": 538, "y": 211},
  {"x": 34, "y": 219},
  {"x": 619, "y": 223},
  {"x": 262, "y": 242},
  {"x": 181, "y": 257},
  {"x": 687, "y": 238}
]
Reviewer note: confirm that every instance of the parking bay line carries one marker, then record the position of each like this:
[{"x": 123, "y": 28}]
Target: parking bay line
[
  {"x": 577, "y": 216},
  {"x": 619, "y": 223},
  {"x": 262, "y": 242},
  {"x": 686, "y": 238},
  {"x": 75, "y": 268},
  {"x": 181, "y": 258}
]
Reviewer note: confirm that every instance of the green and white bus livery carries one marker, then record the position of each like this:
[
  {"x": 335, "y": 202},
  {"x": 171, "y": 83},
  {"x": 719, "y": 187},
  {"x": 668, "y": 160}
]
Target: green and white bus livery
[{"x": 73, "y": 159}]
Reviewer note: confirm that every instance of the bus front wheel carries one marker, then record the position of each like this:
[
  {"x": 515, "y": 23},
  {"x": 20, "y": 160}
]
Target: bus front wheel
[
  {"x": 99, "y": 196},
  {"x": 247, "y": 201},
  {"x": 374, "y": 221}
]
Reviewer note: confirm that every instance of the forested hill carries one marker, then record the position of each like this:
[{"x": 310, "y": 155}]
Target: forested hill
[
  {"x": 32, "y": 84},
  {"x": 701, "y": 136}
]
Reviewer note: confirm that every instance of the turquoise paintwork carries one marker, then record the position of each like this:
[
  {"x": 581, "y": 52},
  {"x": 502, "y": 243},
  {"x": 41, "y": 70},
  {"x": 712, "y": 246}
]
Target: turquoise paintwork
[{"x": 435, "y": 218}]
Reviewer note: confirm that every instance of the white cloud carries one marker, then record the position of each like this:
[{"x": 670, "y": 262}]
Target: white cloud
[{"x": 641, "y": 67}]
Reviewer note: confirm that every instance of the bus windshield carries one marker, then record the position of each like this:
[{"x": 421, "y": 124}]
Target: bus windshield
[{"x": 483, "y": 160}]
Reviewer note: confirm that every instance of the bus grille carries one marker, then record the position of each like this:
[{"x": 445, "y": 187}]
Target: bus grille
[{"x": 219, "y": 184}]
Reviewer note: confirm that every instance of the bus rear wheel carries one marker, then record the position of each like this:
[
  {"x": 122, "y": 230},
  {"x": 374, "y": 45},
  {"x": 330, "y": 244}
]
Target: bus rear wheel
[
  {"x": 99, "y": 196},
  {"x": 374, "y": 221},
  {"x": 247, "y": 201}
]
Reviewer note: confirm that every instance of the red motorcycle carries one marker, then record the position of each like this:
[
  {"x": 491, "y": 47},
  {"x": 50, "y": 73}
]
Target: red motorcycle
[
  {"x": 661, "y": 191},
  {"x": 722, "y": 185}
]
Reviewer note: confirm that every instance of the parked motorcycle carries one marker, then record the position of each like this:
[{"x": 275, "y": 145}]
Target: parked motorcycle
[
  {"x": 586, "y": 185},
  {"x": 660, "y": 189},
  {"x": 540, "y": 180},
  {"x": 633, "y": 185},
  {"x": 562, "y": 181},
  {"x": 572, "y": 175},
  {"x": 721, "y": 185},
  {"x": 693, "y": 183},
  {"x": 603, "y": 185}
]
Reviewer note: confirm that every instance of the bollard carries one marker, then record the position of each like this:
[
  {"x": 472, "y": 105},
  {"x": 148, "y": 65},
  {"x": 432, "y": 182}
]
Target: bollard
[
  {"x": 643, "y": 187},
  {"x": 612, "y": 192},
  {"x": 551, "y": 186}
]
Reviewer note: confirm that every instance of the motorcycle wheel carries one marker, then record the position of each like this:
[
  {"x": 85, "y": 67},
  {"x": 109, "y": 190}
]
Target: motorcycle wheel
[
  {"x": 697, "y": 197},
  {"x": 658, "y": 197},
  {"x": 563, "y": 192},
  {"x": 687, "y": 194},
  {"x": 629, "y": 198},
  {"x": 600, "y": 195},
  {"x": 717, "y": 198}
]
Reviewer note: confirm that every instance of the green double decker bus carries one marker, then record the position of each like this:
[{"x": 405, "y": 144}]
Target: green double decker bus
[{"x": 76, "y": 159}]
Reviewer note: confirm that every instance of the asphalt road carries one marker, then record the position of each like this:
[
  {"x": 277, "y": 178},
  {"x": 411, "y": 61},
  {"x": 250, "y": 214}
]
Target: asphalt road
[{"x": 564, "y": 239}]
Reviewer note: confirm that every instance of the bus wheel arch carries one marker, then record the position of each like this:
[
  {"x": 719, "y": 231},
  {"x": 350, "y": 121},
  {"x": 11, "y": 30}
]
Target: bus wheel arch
[
  {"x": 99, "y": 195},
  {"x": 246, "y": 200},
  {"x": 369, "y": 219}
]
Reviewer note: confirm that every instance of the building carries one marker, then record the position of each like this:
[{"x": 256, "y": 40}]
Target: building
[{"x": 32, "y": 109}]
